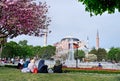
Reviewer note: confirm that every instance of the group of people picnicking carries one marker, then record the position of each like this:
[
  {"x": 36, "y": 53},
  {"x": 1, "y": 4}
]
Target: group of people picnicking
[{"x": 30, "y": 66}]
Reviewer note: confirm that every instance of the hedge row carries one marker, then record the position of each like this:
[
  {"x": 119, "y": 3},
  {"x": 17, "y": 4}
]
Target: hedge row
[{"x": 91, "y": 70}]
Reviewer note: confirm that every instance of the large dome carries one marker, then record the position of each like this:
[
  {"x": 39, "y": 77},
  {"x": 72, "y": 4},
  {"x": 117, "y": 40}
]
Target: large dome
[{"x": 69, "y": 39}]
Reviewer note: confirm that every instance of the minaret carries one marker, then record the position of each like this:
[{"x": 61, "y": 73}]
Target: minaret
[
  {"x": 87, "y": 42},
  {"x": 45, "y": 38},
  {"x": 97, "y": 40},
  {"x": 46, "y": 32}
]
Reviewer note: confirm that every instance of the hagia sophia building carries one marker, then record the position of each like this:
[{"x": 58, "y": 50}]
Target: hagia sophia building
[{"x": 63, "y": 47}]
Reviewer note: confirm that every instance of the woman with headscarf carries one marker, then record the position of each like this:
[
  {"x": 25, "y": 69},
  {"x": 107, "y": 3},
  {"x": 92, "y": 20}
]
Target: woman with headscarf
[
  {"x": 57, "y": 67},
  {"x": 42, "y": 68},
  {"x": 25, "y": 65}
]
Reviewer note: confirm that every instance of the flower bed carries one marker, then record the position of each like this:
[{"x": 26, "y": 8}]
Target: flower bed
[{"x": 91, "y": 70}]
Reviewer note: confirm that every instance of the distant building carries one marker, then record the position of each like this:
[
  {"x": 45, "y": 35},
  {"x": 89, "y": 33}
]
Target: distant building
[{"x": 63, "y": 47}]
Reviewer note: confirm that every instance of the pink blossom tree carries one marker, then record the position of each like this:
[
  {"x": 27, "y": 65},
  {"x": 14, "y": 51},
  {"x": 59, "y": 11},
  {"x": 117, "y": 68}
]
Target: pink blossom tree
[{"x": 19, "y": 17}]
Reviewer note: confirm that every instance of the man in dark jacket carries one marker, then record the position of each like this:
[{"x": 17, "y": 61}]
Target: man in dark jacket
[{"x": 57, "y": 67}]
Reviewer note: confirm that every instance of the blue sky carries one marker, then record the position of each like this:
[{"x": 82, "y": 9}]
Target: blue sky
[{"x": 69, "y": 18}]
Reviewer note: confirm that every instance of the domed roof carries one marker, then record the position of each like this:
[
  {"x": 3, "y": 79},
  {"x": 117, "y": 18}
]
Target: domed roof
[{"x": 69, "y": 39}]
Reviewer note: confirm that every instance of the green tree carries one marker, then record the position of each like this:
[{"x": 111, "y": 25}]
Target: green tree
[
  {"x": 100, "y": 6},
  {"x": 24, "y": 42},
  {"x": 93, "y": 51},
  {"x": 101, "y": 53},
  {"x": 114, "y": 54},
  {"x": 48, "y": 51},
  {"x": 27, "y": 51},
  {"x": 10, "y": 49},
  {"x": 79, "y": 54},
  {"x": 37, "y": 51}
]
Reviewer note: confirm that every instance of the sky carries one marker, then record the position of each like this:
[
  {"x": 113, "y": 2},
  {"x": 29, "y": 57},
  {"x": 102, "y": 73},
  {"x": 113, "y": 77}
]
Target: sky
[{"x": 69, "y": 18}]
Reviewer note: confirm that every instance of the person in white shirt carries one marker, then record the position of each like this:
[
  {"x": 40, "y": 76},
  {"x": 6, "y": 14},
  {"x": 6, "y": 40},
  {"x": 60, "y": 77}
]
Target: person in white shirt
[{"x": 32, "y": 65}]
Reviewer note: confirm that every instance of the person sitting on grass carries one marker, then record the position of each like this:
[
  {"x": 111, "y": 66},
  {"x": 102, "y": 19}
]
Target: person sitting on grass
[
  {"x": 32, "y": 66},
  {"x": 25, "y": 65},
  {"x": 42, "y": 68},
  {"x": 20, "y": 64},
  {"x": 57, "y": 67}
]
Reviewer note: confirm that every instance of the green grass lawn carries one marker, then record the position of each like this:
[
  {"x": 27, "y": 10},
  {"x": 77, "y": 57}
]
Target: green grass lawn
[{"x": 12, "y": 74}]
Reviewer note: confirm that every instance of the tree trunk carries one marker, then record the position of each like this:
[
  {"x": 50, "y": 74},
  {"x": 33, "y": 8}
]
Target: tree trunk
[{"x": 1, "y": 50}]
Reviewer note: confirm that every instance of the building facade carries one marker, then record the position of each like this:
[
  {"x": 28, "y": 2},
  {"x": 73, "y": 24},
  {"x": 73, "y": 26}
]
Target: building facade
[{"x": 66, "y": 44}]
